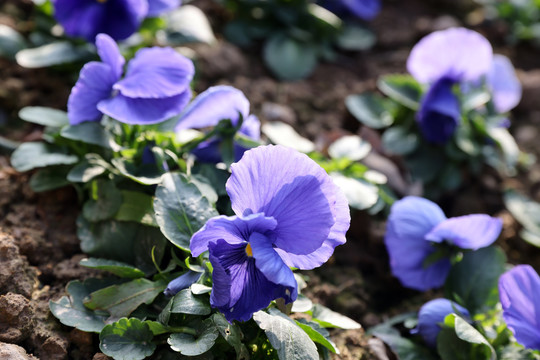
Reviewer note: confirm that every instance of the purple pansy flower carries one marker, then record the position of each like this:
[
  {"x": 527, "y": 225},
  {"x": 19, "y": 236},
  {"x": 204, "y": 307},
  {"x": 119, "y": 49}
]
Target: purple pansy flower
[
  {"x": 519, "y": 291},
  {"x": 116, "y": 18},
  {"x": 155, "y": 86},
  {"x": 364, "y": 9},
  {"x": 208, "y": 109},
  {"x": 289, "y": 213},
  {"x": 432, "y": 314},
  {"x": 415, "y": 224},
  {"x": 467, "y": 57}
]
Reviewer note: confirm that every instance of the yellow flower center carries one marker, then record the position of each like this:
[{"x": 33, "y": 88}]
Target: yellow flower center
[
  {"x": 249, "y": 251},
  {"x": 101, "y": 1}
]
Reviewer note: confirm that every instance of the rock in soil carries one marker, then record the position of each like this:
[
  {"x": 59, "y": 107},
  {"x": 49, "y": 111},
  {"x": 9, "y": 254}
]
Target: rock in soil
[
  {"x": 13, "y": 352},
  {"x": 16, "y": 318}
]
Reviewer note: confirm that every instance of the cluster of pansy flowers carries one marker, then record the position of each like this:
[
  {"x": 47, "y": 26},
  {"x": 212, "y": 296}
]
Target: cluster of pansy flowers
[
  {"x": 289, "y": 213},
  {"x": 416, "y": 228},
  {"x": 464, "y": 58},
  {"x": 156, "y": 87}
]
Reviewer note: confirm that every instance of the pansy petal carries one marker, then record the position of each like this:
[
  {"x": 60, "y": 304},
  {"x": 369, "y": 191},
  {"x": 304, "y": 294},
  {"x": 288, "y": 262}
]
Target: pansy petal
[
  {"x": 335, "y": 238},
  {"x": 232, "y": 229},
  {"x": 439, "y": 113},
  {"x": 467, "y": 56},
  {"x": 157, "y": 7},
  {"x": 249, "y": 289},
  {"x": 267, "y": 180},
  {"x": 270, "y": 264},
  {"x": 87, "y": 18},
  {"x": 504, "y": 84},
  {"x": 213, "y": 105},
  {"x": 413, "y": 217},
  {"x": 467, "y": 232},
  {"x": 407, "y": 260},
  {"x": 183, "y": 281},
  {"x": 364, "y": 9},
  {"x": 519, "y": 291},
  {"x": 432, "y": 314},
  {"x": 208, "y": 151},
  {"x": 156, "y": 73},
  {"x": 143, "y": 111},
  {"x": 94, "y": 85},
  {"x": 110, "y": 54},
  {"x": 251, "y": 127}
]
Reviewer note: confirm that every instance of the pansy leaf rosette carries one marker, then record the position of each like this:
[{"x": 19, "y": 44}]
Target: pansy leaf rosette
[
  {"x": 288, "y": 212},
  {"x": 210, "y": 107},
  {"x": 419, "y": 239},
  {"x": 519, "y": 291},
  {"x": 155, "y": 86},
  {"x": 116, "y": 18}
]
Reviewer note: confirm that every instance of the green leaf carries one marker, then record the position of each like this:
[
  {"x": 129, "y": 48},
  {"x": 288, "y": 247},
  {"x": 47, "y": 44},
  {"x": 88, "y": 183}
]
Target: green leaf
[
  {"x": 121, "y": 300},
  {"x": 56, "y": 53},
  {"x": 354, "y": 37},
  {"x": 474, "y": 99},
  {"x": 232, "y": 334},
  {"x": 44, "y": 116},
  {"x": 404, "y": 89},
  {"x": 89, "y": 132},
  {"x": 105, "y": 202},
  {"x": 10, "y": 42},
  {"x": 127, "y": 339},
  {"x": 352, "y": 147},
  {"x": 302, "y": 304},
  {"x": 400, "y": 141},
  {"x": 360, "y": 194},
  {"x": 72, "y": 312},
  {"x": 284, "y": 134},
  {"x": 111, "y": 239},
  {"x": 205, "y": 187},
  {"x": 507, "y": 144},
  {"x": 138, "y": 207},
  {"x": 524, "y": 210},
  {"x": 186, "y": 303},
  {"x": 370, "y": 109},
  {"x": 49, "y": 179},
  {"x": 190, "y": 345},
  {"x": 318, "y": 334},
  {"x": 116, "y": 267},
  {"x": 181, "y": 209},
  {"x": 286, "y": 337},
  {"x": 142, "y": 176},
  {"x": 85, "y": 171},
  {"x": 188, "y": 24},
  {"x": 459, "y": 340},
  {"x": 328, "y": 318},
  {"x": 33, "y": 155},
  {"x": 473, "y": 281},
  {"x": 288, "y": 58},
  {"x": 405, "y": 349}
]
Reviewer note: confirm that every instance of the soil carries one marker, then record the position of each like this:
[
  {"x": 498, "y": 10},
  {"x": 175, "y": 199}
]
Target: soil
[{"x": 39, "y": 250}]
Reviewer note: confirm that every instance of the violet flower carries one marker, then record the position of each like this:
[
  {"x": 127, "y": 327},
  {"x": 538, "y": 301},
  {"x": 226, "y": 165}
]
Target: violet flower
[
  {"x": 208, "y": 109},
  {"x": 432, "y": 314},
  {"x": 519, "y": 291},
  {"x": 155, "y": 86},
  {"x": 456, "y": 55},
  {"x": 116, "y": 18},
  {"x": 289, "y": 213},
  {"x": 364, "y": 9},
  {"x": 416, "y": 224}
]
